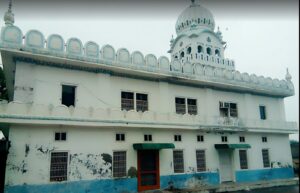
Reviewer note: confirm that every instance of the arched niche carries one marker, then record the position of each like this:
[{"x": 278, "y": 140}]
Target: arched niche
[
  {"x": 176, "y": 66},
  {"x": 123, "y": 55},
  {"x": 91, "y": 49},
  {"x": 108, "y": 52},
  {"x": 11, "y": 35},
  {"x": 74, "y": 46},
  {"x": 188, "y": 68},
  {"x": 55, "y": 43},
  {"x": 164, "y": 63},
  {"x": 34, "y": 39},
  {"x": 151, "y": 61},
  {"x": 137, "y": 58}
]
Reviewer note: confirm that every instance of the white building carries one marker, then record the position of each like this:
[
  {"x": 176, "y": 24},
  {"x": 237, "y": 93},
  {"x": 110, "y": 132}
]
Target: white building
[{"x": 85, "y": 119}]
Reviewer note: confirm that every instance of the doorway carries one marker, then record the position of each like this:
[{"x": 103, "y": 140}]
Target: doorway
[
  {"x": 225, "y": 159},
  {"x": 148, "y": 170}
]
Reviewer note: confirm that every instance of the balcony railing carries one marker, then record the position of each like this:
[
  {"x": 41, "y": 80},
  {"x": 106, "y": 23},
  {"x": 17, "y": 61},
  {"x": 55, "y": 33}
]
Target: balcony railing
[{"x": 19, "y": 112}]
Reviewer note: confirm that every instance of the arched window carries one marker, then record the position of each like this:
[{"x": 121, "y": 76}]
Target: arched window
[
  {"x": 182, "y": 54},
  {"x": 176, "y": 57},
  {"x": 198, "y": 20},
  {"x": 200, "y": 49},
  {"x": 204, "y": 20},
  {"x": 217, "y": 53},
  {"x": 189, "y": 50},
  {"x": 208, "y": 51}
]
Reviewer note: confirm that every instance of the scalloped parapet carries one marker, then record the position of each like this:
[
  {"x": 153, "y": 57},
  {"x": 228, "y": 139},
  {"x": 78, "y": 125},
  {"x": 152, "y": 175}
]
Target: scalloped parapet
[{"x": 34, "y": 42}]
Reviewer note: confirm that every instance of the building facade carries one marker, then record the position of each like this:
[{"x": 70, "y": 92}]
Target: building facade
[{"x": 81, "y": 118}]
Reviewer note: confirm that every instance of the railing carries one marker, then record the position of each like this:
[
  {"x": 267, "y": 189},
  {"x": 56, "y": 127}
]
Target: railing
[{"x": 34, "y": 112}]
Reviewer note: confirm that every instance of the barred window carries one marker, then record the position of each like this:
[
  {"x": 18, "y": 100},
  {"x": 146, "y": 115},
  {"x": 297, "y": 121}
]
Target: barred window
[
  {"x": 201, "y": 164},
  {"x": 264, "y": 139},
  {"x": 228, "y": 109},
  {"x": 178, "y": 161},
  {"x": 127, "y": 101},
  {"x": 141, "y": 102},
  {"x": 147, "y": 137},
  {"x": 180, "y": 105},
  {"x": 266, "y": 159},
  {"x": 119, "y": 164},
  {"x": 192, "y": 106},
  {"x": 224, "y": 138},
  {"x": 59, "y": 166},
  {"x": 243, "y": 159}
]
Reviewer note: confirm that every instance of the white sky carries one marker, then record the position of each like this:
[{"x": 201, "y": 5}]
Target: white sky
[{"x": 261, "y": 45}]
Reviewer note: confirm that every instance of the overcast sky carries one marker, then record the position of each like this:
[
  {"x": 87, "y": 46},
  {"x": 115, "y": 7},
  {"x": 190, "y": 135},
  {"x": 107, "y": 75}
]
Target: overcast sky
[{"x": 262, "y": 36}]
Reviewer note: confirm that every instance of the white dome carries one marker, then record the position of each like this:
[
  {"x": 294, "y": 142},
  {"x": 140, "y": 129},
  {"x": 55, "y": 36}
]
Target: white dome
[{"x": 194, "y": 17}]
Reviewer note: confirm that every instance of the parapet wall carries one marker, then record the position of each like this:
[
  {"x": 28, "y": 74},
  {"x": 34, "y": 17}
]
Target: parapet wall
[{"x": 35, "y": 42}]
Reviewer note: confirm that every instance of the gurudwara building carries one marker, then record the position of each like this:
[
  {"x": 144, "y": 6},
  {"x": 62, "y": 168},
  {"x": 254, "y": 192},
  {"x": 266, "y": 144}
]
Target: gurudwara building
[{"x": 84, "y": 118}]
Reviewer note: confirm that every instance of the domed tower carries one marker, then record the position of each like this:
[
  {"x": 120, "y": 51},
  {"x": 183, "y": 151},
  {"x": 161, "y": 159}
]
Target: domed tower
[{"x": 196, "y": 40}]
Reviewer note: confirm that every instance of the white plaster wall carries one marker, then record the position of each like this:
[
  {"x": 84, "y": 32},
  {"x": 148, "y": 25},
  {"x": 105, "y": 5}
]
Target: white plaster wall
[
  {"x": 104, "y": 91},
  {"x": 96, "y": 141}
]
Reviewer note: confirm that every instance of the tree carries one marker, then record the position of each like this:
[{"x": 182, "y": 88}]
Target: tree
[{"x": 3, "y": 90}]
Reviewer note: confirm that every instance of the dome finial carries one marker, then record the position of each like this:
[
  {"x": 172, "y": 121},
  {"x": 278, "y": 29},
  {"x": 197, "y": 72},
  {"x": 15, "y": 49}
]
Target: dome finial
[
  {"x": 9, "y": 16},
  {"x": 288, "y": 76}
]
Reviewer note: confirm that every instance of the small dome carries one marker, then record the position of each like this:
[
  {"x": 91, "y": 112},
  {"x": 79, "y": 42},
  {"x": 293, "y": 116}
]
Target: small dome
[{"x": 194, "y": 17}]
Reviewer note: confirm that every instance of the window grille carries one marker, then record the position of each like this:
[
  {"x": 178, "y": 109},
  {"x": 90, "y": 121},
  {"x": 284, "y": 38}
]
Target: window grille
[
  {"x": 266, "y": 159},
  {"x": 119, "y": 164},
  {"x": 127, "y": 101},
  {"x": 141, "y": 102},
  {"x": 243, "y": 159},
  {"x": 192, "y": 106},
  {"x": 178, "y": 161},
  {"x": 180, "y": 105},
  {"x": 201, "y": 164},
  {"x": 228, "y": 109},
  {"x": 59, "y": 166},
  {"x": 200, "y": 138}
]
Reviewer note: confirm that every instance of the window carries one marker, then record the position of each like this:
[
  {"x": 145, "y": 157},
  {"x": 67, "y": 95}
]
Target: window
[
  {"x": 68, "y": 95},
  {"x": 200, "y": 49},
  {"x": 262, "y": 112},
  {"x": 208, "y": 51},
  {"x": 200, "y": 138},
  {"x": 59, "y": 166},
  {"x": 265, "y": 156},
  {"x": 242, "y": 139},
  {"x": 147, "y": 137},
  {"x": 180, "y": 105},
  {"x": 224, "y": 138},
  {"x": 119, "y": 164},
  {"x": 192, "y": 106},
  {"x": 60, "y": 136},
  {"x": 217, "y": 53},
  {"x": 189, "y": 50},
  {"x": 177, "y": 137},
  {"x": 120, "y": 137},
  {"x": 178, "y": 161},
  {"x": 264, "y": 139},
  {"x": 181, "y": 55},
  {"x": 228, "y": 109},
  {"x": 141, "y": 102},
  {"x": 201, "y": 164},
  {"x": 243, "y": 159},
  {"x": 127, "y": 101}
]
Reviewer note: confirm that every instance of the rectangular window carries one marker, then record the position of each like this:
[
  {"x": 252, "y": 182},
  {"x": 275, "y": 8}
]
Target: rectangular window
[
  {"x": 243, "y": 159},
  {"x": 178, "y": 161},
  {"x": 264, "y": 139},
  {"x": 224, "y": 138},
  {"x": 141, "y": 102},
  {"x": 60, "y": 136},
  {"x": 242, "y": 139},
  {"x": 180, "y": 105},
  {"x": 119, "y": 164},
  {"x": 262, "y": 112},
  {"x": 147, "y": 137},
  {"x": 228, "y": 109},
  {"x": 192, "y": 106},
  {"x": 201, "y": 163},
  {"x": 59, "y": 166},
  {"x": 68, "y": 95},
  {"x": 177, "y": 137},
  {"x": 200, "y": 138},
  {"x": 127, "y": 101},
  {"x": 120, "y": 137},
  {"x": 266, "y": 159}
]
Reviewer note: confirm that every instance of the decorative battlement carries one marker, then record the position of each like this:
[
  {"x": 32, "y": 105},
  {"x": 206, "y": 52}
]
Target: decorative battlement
[{"x": 35, "y": 42}]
